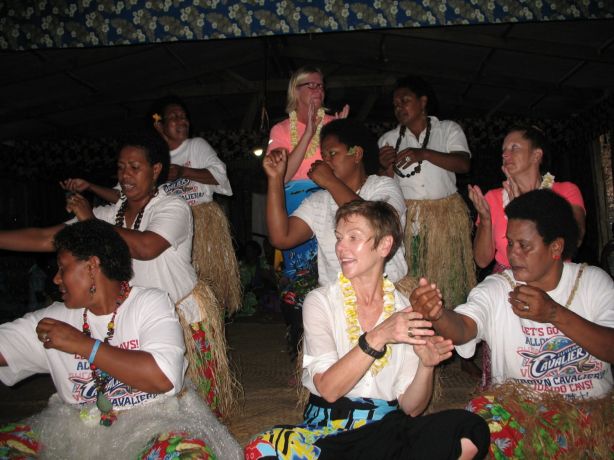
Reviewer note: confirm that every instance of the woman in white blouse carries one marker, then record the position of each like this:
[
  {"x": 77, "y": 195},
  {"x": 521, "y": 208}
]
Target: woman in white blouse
[{"x": 369, "y": 359}]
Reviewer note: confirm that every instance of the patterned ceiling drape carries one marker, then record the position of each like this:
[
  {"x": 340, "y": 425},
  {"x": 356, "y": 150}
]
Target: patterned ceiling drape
[{"x": 39, "y": 24}]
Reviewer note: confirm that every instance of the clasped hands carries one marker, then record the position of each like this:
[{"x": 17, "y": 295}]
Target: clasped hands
[
  {"x": 388, "y": 157},
  {"x": 413, "y": 326}
]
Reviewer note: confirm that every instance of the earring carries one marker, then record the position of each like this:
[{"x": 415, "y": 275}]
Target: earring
[
  {"x": 556, "y": 256},
  {"x": 93, "y": 289}
]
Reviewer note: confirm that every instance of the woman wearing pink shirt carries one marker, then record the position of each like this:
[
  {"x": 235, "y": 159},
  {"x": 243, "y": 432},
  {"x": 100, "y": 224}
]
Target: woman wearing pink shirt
[
  {"x": 523, "y": 154},
  {"x": 299, "y": 136},
  {"x": 523, "y": 151}
]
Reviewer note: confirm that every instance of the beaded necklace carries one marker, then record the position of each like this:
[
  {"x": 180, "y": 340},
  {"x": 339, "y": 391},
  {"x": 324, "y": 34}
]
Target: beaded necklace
[
  {"x": 572, "y": 294},
  {"x": 350, "y": 309},
  {"x": 101, "y": 378},
  {"x": 424, "y": 145},
  {"x": 121, "y": 213},
  {"x": 314, "y": 144}
]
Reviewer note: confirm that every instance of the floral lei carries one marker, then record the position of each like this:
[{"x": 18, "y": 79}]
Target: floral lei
[
  {"x": 314, "y": 144},
  {"x": 351, "y": 316},
  {"x": 547, "y": 183}
]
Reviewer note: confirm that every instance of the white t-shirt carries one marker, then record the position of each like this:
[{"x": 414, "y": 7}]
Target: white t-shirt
[
  {"x": 326, "y": 341},
  {"x": 538, "y": 354},
  {"x": 197, "y": 153},
  {"x": 171, "y": 218},
  {"x": 318, "y": 212},
  {"x": 146, "y": 321},
  {"x": 433, "y": 182}
]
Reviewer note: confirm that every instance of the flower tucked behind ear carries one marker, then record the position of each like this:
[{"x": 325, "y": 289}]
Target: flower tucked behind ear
[{"x": 156, "y": 117}]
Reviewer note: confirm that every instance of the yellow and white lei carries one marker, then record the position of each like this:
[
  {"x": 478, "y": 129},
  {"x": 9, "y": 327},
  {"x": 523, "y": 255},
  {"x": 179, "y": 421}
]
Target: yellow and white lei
[
  {"x": 351, "y": 316},
  {"x": 314, "y": 144}
]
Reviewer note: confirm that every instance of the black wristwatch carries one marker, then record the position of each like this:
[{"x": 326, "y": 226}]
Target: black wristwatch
[{"x": 364, "y": 346}]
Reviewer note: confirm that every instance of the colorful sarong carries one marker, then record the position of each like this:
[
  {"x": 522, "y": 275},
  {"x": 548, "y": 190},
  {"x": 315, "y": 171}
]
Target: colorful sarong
[
  {"x": 364, "y": 429},
  {"x": 320, "y": 420},
  {"x": 175, "y": 446},
  {"x": 528, "y": 430},
  {"x": 18, "y": 442},
  {"x": 300, "y": 268}
]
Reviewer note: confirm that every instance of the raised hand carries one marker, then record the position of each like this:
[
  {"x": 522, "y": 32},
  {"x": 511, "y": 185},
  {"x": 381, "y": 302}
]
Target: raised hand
[
  {"x": 435, "y": 350},
  {"x": 79, "y": 206},
  {"x": 75, "y": 185},
  {"x": 510, "y": 185},
  {"x": 275, "y": 163},
  {"x": 426, "y": 299},
  {"x": 533, "y": 303},
  {"x": 313, "y": 119},
  {"x": 60, "y": 335},
  {"x": 479, "y": 202},
  {"x": 344, "y": 112}
]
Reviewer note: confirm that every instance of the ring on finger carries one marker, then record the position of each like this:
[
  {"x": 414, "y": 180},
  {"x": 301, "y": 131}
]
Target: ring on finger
[
  {"x": 45, "y": 337},
  {"x": 410, "y": 332}
]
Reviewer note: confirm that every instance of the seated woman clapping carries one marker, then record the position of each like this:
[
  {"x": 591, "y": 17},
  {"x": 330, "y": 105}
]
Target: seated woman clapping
[
  {"x": 369, "y": 359},
  {"x": 116, "y": 356},
  {"x": 550, "y": 326}
]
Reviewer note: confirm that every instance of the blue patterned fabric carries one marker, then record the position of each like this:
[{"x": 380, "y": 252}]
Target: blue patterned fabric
[{"x": 62, "y": 24}]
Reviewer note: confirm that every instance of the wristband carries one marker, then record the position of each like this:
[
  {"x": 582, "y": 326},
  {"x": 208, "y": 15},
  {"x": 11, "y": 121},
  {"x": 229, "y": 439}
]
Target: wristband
[
  {"x": 94, "y": 351},
  {"x": 364, "y": 346}
]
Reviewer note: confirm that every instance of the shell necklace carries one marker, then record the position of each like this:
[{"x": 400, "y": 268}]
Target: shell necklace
[{"x": 572, "y": 294}]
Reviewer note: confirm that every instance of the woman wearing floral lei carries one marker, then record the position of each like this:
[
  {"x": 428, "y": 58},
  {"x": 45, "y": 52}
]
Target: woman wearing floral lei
[
  {"x": 299, "y": 136},
  {"x": 369, "y": 359},
  {"x": 524, "y": 152}
]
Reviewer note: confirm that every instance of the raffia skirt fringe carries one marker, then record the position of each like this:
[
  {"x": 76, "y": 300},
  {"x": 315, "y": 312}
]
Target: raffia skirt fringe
[
  {"x": 213, "y": 255},
  {"x": 438, "y": 246},
  {"x": 207, "y": 352}
]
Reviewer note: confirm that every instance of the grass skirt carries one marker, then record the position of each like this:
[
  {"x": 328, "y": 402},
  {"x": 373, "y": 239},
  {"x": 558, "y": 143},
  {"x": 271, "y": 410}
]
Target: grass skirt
[
  {"x": 207, "y": 351},
  {"x": 527, "y": 425},
  {"x": 213, "y": 255},
  {"x": 438, "y": 246},
  {"x": 63, "y": 435}
]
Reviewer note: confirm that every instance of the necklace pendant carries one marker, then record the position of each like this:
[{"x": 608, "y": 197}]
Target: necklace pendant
[
  {"x": 418, "y": 169},
  {"x": 103, "y": 403}
]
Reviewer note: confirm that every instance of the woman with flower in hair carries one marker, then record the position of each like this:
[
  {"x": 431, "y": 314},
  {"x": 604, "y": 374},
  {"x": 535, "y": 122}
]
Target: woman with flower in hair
[
  {"x": 369, "y": 361},
  {"x": 195, "y": 174},
  {"x": 524, "y": 154},
  {"x": 299, "y": 137}
]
